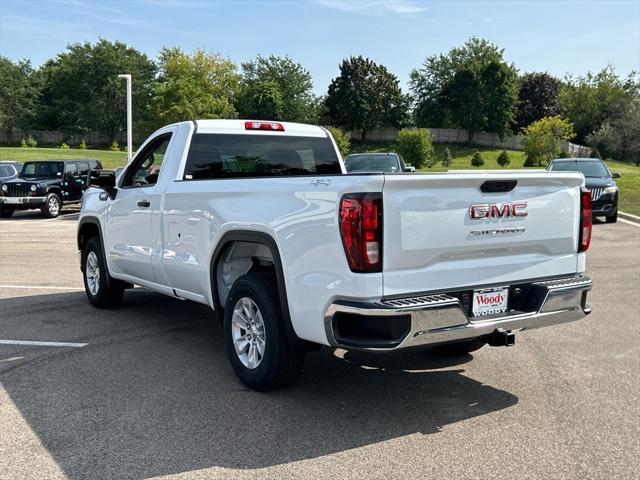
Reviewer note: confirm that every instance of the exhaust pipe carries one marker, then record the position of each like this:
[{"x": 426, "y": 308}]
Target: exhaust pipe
[{"x": 501, "y": 338}]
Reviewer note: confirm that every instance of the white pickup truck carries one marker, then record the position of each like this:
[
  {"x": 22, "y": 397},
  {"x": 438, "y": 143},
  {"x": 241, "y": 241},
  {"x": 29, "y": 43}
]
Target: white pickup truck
[{"x": 260, "y": 221}]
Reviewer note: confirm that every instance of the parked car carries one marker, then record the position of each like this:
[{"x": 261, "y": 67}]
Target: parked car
[
  {"x": 46, "y": 185},
  {"x": 376, "y": 162},
  {"x": 258, "y": 221},
  {"x": 599, "y": 180},
  {"x": 9, "y": 170}
]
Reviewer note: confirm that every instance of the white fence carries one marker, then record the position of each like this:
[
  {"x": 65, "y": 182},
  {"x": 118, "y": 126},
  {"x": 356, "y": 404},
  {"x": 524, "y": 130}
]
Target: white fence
[{"x": 452, "y": 135}]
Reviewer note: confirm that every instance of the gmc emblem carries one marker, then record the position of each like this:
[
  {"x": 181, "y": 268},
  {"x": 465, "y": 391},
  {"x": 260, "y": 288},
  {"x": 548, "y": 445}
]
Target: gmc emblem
[{"x": 494, "y": 210}]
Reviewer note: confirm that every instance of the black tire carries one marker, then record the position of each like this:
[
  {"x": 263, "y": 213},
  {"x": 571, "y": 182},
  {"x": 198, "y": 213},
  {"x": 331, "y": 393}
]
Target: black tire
[
  {"x": 109, "y": 291},
  {"x": 6, "y": 212},
  {"x": 459, "y": 348},
  {"x": 613, "y": 218},
  {"x": 52, "y": 206},
  {"x": 280, "y": 363}
]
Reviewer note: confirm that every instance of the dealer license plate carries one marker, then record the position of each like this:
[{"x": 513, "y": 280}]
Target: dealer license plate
[
  {"x": 12, "y": 200},
  {"x": 490, "y": 302}
]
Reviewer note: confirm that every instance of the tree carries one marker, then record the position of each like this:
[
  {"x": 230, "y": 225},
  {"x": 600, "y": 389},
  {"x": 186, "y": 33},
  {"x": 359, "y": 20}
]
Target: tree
[
  {"x": 19, "y": 92},
  {"x": 619, "y": 137},
  {"x": 192, "y": 86},
  {"x": 593, "y": 99},
  {"x": 83, "y": 93},
  {"x": 342, "y": 140},
  {"x": 276, "y": 88},
  {"x": 414, "y": 145},
  {"x": 477, "y": 160},
  {"x": 446, "y": 157},
  {"x": 539, "y": 97},
  {"x": 365, "y": 96},
  {"x": 542, "y": 140},
  {"x": 471, "y": 87},
  {"x": 503, "y": 159}
]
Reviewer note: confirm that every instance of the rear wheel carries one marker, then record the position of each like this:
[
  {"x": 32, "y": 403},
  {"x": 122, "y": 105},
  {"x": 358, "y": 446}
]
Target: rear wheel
[
  {"x": 254, "y": 334},
  {"x": 102, "y": 290},
  {"x": 52, "y": 206},
  {"x": 460, "y": 348},
  {"x": 613, "y": 218},
  {"x": 6, "y": 212}
]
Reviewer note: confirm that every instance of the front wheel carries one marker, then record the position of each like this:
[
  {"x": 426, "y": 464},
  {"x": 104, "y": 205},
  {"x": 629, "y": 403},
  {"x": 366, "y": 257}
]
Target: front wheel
[
  {"x": 102, "y": 290},
  {"x": 6, "y": 212},
  {"x": 612, "y": 218},
  {"x": 254, "y": 334},
  {"x": 52, "y": 206}
]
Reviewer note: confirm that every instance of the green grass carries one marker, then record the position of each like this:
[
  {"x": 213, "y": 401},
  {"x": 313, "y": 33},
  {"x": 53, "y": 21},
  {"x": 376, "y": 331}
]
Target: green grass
[
  {"x": 629, "y": 183},
  {"x": 109, "y": 159}
]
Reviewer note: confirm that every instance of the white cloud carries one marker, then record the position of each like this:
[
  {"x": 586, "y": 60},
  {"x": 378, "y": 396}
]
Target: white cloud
[{"x": 373, "y": 7}]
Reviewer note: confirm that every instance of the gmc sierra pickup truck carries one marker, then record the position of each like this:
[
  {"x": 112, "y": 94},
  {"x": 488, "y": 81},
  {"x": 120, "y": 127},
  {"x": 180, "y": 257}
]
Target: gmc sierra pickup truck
[{"x": 260, "y": 221}]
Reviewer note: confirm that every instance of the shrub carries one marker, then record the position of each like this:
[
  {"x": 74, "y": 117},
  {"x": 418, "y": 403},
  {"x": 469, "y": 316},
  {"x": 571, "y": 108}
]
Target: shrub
[
  {"x": 477, "y": 160},
  {"x": 115, "y": 147},
  {"x": 414, "y": 144},
  {"x": 542, "y": 140},
  {"x": 503, "y": 159},
  {"x": 64, "y": 146},
  {"x": 82, "y": 145},
  {"x": 29, "y": 142},
  {"x": 342, "y": 140},
  {"x": 447, "y": 158}
]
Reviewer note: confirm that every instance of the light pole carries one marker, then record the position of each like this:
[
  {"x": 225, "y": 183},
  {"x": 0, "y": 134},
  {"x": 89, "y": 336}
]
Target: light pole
[{"x": 127, "y": 77}]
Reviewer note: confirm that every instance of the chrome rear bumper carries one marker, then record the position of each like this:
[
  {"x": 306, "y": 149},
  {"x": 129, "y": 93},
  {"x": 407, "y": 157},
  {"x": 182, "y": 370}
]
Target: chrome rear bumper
[{"x": 441, "y": 318}]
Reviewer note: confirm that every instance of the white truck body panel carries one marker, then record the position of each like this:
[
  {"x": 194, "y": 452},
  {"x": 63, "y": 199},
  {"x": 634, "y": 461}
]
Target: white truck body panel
[
  {"x": 169, "y": 246},
  {"x": 427, "y": 230}
]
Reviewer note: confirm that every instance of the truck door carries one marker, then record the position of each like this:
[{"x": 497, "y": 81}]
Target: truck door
[
  {"x": 72, "y": 184},
  {"x": 129, "y": 238}
]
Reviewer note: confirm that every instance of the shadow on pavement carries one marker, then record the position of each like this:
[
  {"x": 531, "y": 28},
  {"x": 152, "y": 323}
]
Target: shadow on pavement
[{"x": 153, "y": 394}]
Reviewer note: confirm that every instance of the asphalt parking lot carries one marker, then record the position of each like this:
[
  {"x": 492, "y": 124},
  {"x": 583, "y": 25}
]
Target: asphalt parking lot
[{"x": 145, "y": 391}]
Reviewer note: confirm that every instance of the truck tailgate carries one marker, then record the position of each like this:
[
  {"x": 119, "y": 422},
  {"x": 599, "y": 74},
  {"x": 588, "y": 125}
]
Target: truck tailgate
[{"x": 431, "y": 242}]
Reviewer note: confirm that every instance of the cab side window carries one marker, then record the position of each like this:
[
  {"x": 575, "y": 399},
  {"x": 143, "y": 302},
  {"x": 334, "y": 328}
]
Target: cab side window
[
  {"x": 84, "y": 168},
  {"x": 71, "y": 169},
  {"x": 146, "y": 166}
]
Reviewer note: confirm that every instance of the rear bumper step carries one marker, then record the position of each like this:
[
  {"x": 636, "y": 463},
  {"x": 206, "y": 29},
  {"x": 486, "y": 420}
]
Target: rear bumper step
[{"x": 441, "y": 318}]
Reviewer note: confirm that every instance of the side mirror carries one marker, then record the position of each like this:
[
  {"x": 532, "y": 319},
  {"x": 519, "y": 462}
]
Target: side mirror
[
  {"x": 103, "y": 179},
  {"x": 409, "y": 169},
  {"x": 616, "y": 175}
]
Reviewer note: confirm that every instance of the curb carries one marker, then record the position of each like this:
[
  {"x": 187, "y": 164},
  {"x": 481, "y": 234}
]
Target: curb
[{"x": 629, "y": 217}]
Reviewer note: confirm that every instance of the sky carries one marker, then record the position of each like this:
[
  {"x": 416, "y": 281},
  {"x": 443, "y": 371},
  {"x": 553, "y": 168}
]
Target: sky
[{"x": 559, "y": 37}]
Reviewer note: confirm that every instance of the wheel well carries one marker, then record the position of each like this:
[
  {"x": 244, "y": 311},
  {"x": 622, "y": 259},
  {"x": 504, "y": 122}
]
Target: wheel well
[
  {"x": 240, "y": 252},
  {"x": 87, "y": 231},
  {"x": 236, "y": 259}
]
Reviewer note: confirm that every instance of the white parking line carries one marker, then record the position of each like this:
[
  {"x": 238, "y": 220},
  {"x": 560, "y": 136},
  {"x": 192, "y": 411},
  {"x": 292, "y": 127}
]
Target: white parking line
[
  {"x": 42, "y": 344},
  {"x": 12, "y": 359},
  {"x": 41, "y": 287}
]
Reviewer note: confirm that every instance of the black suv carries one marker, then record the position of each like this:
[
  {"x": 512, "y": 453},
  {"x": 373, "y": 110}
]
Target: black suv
[
  {"x": 46, "y": 185},
  {"x": 598, "y": 179}
]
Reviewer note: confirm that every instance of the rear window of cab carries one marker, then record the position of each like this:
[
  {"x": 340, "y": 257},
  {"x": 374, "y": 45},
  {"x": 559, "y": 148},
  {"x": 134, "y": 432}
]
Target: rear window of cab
[{"x": 213, "y": 156}]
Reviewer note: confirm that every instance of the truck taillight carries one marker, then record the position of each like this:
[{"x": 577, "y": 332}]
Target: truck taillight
[
  {"x": 586, "y": 220},
  {"x": 361, "y": 230},
  {"x": 278, "y": 127}
]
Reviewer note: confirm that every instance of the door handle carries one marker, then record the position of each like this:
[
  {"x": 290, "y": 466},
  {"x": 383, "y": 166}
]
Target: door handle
[{"x": 144, "y": 203}]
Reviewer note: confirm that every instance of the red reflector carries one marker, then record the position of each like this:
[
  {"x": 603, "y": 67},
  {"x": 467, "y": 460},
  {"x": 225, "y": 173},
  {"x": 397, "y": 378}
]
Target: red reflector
[
  {"x": 361, "y": 230},
  {"x": 586, "y": 220},
  {"x": 278, "y": 127}
]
